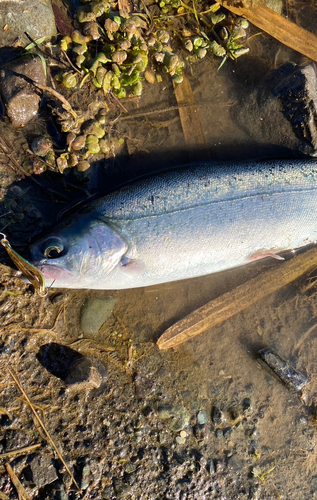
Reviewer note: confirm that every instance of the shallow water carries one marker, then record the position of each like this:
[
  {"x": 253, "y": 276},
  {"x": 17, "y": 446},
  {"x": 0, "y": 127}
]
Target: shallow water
[{"x": 267, "y": 451}]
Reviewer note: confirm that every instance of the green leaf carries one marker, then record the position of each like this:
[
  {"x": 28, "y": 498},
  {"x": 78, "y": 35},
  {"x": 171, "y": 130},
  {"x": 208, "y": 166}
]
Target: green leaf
[{"x": 36, "y": 43}]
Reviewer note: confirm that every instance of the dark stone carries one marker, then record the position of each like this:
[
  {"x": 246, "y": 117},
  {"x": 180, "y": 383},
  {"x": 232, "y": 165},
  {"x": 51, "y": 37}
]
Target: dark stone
[
  {"x": 227, "y": 432},
  {"x": 282, "y": 112},
  {"x": 86, "y": 373},
  {"x": 247, "y": 405},
  {"x": 216, "y": 416},
  {"x": 42, "y": 470},
  {"x": 253, "y": 447},
  {"x": 55, "y": 491},
  {"x": 199, "y": 432},
  {"x": 7, "y": 348},
  {"x": 21, "y": 97},
  {"x": 290, "y": 377},
  {"x": 143, "y": 386}
]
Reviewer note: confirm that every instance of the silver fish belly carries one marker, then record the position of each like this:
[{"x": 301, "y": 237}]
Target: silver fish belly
[{"x": 183, "y": 223}]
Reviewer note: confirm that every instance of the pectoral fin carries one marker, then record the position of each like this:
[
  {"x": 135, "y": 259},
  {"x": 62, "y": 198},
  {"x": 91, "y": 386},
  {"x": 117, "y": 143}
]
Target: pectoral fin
[
  {"x": 263, "y": 254},
  {"x": 131, "y": 267}
]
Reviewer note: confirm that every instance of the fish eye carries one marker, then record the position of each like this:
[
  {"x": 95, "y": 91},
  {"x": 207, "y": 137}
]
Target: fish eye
[{"x": 52, "y": 248}]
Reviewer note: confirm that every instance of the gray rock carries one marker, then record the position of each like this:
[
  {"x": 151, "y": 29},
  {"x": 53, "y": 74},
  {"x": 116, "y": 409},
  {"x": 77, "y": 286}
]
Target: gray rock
[
  {"x": 202, "y": 417},
  {"x": 211, "y": 466},
  {"x": 35, "y": 17},
  {"x": 57, "y": 492},
  {"x": 42, "y": 470},
  {"x": 179, "y": 415},
  {"x": 86, "y": 374},
  {"x": 143, "y": 386},
  {"x": 95, "y": 312},
  {"x": 20, "y": 96},
  {"x": 235, "y": 462},
  {"x": 290, "y": 377}
]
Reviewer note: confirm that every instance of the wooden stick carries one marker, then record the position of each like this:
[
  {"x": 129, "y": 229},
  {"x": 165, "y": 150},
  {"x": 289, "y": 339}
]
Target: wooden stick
[
  {"x": 279, "y": 27},
  {"x": 231, "y": 303},
  {"x": 189, "y": 115}
]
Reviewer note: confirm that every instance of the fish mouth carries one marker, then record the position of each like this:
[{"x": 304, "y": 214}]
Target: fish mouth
[{"x": 51, "y": 271}]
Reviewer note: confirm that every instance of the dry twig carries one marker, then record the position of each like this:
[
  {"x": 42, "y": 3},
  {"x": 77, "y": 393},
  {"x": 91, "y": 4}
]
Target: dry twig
[
  {"x": 22, "y": 494},
  {"x": 47, "y": 434},
  {"x": 21, "y": 451}
]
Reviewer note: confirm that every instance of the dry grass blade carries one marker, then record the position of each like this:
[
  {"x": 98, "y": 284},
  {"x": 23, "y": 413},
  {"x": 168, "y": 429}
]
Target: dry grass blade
[
  {"x": 6, "y": 148},
  {"x": 21, "y": 451},
  {"x": 3, "y": 496},
  {"x": 3, "y": 411},
  {"x": 22, "y": 494},
  {"x": 61, "y": 98},
  {"x": 279, "y": 27},
  {"x": 47, "y": 434},
  {"x": 231, "y": 303}
]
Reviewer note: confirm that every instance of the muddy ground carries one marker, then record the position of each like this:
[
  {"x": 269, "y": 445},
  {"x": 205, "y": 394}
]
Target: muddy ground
[{"x": 120, "y": 418}]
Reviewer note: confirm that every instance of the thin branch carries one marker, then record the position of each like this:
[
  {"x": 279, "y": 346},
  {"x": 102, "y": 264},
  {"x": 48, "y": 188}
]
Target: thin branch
[
  {"x": 20, "y": 451},
  {"x": 50, "y": 439}
]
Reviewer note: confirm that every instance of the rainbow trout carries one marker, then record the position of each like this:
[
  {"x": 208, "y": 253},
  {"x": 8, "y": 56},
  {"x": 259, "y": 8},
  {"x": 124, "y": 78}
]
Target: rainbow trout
[{"x": 191, "y": 221}]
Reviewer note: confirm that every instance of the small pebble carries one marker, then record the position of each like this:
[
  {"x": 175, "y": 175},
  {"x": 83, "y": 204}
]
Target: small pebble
[
  {"x": 86, "y": 373},
  {"x": 202, "y": 417},
  {"x": 216, "y": 416},
  {"x": 293, "y": 379},
  {"x": 219, "y": 433},
  {"x": 199, "y": 432},
  {"x": 247, "y": 405},
  {"x": 211, "y": 466},
  {"x": 164, "y": 413},
  {"x": 180, "y": 440},
  {"x": 227, "y": 432}
]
